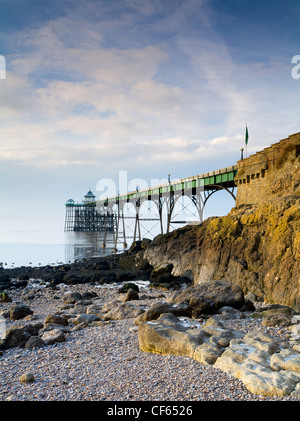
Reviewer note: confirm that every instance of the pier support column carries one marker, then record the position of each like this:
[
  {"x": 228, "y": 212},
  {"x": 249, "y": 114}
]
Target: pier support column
[{"x": 137, "y": 226}]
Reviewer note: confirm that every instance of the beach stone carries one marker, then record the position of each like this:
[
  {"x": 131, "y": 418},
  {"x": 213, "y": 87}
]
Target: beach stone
[
  {"x": 131, "y": 295},
  {"x": 155, "y": 310},
  {"x": 207, "y": 353},
  {"x": 296, "y": 391},
  {"x": 216, "y": 327},
  {"x": 16, "y": 336},
  {"x": 5, "y": 298},
  {"x": 250, "y": 296},
  {"x": 85, "y": 318},
  {"x": 110, "y": 305},
  {"x": 27, "y": 378},
  {"x": 53, "y": 336},
  {"x": 263, "y": 381},
  {"x": 34, "y": 342},
  {"x": 277, "y": 319},
  {"x": 127, "y": 286},
  {"x": 94, "y": 309},
  {"x": 33, "y": 327},
  {"x": 72, "y": 297},
  {"x": 228, "y": 312},
  {"x": 295, "y": 319},
  {"x": 219, "y": 292},
  {"x": 19, "y": 311},
  {"x": 56, "y": 319},
  {"x": 167, "y": 335},
  {"x": 286, "y": 359},
  {"x": 262, "y": 341},
  {"x": 123, "y": 311}
]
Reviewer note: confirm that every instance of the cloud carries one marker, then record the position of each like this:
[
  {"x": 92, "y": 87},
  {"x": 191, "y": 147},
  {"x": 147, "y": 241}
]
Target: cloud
[{"x": 154, "y": 83}]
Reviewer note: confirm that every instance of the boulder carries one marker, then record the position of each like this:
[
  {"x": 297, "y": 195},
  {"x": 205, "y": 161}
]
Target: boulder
[
  {"x": 94, "y": 309},
  {"x": 72, "y": 297},
  {"x": 131, "y": 295},
  {"x": 5, "y": 282},
  {"x": 277, "y": 319},
  {"x": 34, "y": 342},
  {"x": 19, "y": 311},
  {"x": 167, "y": 335},
  {"x": 123, "y": 311},
  {"x": 85, "y": 318},
  {"x": 154, "y": 311},
  {"x": 16, "y": 336},
  {"x": 287, "y": 359},
  {"x": 255, "y": 358},
  {"x": 56, "y": 319},
  {"x": 127, "y": 286},
  {"x": 207, "y": 353},
  {"x": 5, "y": 298},
  {"x": 53, "y": 336},
  {"x": 208, "y": 297}
]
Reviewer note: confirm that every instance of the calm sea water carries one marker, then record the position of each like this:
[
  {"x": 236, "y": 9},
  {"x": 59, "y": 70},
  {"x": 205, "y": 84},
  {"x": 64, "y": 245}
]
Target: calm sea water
[
  {"x": 30, "y": 241},
  {"x": 26, "y": 244}
]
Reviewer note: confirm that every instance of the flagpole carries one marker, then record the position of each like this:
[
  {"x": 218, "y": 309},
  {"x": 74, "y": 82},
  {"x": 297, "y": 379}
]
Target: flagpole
[{"x": 246, "y": 139}]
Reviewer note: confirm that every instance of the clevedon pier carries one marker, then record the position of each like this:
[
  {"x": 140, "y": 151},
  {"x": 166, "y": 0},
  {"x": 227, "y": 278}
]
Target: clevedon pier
[
  {"x": 122, "y": 217},
  {"x": 152, "y": 211}
]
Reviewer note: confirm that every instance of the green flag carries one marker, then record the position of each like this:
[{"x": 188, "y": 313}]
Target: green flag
[{"x": 246, "y": 136}]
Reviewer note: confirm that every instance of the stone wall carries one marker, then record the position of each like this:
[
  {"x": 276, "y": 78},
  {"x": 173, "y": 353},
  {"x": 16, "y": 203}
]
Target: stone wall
[{"x": 269, "y": 173}]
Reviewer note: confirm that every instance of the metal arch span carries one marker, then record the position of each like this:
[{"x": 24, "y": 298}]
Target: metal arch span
[{"x": 198, "y": 188}]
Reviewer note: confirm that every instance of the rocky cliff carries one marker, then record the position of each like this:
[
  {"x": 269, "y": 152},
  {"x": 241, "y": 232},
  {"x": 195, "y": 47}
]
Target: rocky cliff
[{"x": 255, "y": 246}]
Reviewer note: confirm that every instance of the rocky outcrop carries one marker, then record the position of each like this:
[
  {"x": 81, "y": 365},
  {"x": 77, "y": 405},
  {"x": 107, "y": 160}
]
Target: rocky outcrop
[
  {"x": 255, "y": 247},
  {"x": 262, "y": 363}
]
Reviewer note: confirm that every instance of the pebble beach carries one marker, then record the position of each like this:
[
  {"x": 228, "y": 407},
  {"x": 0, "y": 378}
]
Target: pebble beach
[{"x": 103, "y": 361}]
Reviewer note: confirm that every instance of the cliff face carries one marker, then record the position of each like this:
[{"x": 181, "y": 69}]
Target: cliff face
[{"x": 255, "y": 246}]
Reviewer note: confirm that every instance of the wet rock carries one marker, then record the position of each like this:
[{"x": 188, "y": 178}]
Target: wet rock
[{"x": 127, "y": 286}]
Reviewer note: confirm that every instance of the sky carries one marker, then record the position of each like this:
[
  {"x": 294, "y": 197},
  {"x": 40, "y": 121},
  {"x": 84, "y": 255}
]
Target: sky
[{"x": 95, "y": 88}]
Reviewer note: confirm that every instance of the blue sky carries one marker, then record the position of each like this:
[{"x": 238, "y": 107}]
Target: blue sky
[{"x": 151, "y": 87}]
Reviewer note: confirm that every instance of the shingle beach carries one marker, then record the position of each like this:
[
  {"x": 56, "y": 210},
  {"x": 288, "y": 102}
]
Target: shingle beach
[{"x": 103, "y": 361}]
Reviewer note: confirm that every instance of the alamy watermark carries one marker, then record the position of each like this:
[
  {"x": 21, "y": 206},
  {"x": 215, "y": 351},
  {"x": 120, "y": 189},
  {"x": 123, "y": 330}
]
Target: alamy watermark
[
  {"x": 296, "y": 69},
  {"x": 109, "y": 189},
  {"x": 2, "y": 67},
  {"x": 125, "y": 186}
]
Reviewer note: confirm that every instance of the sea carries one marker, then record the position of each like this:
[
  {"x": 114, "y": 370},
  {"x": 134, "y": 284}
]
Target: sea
[
  {"x": 26, "y": 240},
  {"x": 34, "y": 243}
]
